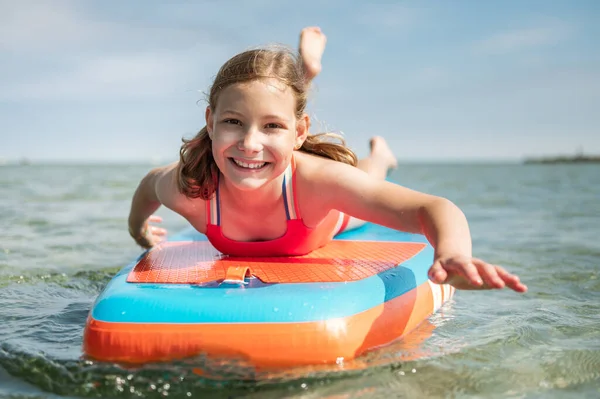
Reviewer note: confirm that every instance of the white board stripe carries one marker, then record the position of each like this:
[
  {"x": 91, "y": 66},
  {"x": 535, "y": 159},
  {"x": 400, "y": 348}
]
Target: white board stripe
[
  {"x": 437, "y": 295},
  {"x": 446, "y": 289}
]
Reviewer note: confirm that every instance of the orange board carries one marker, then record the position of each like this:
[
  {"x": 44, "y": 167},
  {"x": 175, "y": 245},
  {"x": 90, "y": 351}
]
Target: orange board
[{"x": 198, "y": 262}]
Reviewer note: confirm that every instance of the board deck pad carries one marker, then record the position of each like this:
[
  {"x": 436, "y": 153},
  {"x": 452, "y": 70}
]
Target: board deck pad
[{"x": 198, "y": 262}]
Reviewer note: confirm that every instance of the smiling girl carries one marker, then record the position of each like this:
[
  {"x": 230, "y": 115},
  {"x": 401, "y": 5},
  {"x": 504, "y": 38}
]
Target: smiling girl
[{"x": 258, "y": 183}]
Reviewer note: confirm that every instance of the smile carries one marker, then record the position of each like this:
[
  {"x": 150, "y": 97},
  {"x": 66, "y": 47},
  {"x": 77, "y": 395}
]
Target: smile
[{"x": 246, "y": 165}]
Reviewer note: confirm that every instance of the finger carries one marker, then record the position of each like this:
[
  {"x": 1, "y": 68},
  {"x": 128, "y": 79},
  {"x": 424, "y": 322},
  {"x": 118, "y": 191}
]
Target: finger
[
  {"x": 466, "y": 269},
  {"x": 158, "y": 231},
  {"x": 512, "y": 281},
  {"x": 505, "y": 275},
  {"x": 437, "y": 274},
  {"x": 516, "y": 285},
  {"x": 489, "y": 274},
  {"x": 155, "y": 219}
]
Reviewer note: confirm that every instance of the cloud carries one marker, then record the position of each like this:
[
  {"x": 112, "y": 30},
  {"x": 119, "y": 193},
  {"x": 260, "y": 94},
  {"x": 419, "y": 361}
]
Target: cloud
[
  {"x": 52, "y": 28},
  {"x": 34, "y": 25},
  {"x": 526, "y": 38},
  {"x": 63, "y": 51},
  {"x": 120, "y": 77}
]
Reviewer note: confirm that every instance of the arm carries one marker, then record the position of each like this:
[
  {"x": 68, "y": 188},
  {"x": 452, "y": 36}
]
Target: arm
[
  {"x": 158, "y": 187},
  {"x": 443, "y": 223},
  {"x": 144, "y": 203},
  {"x": 356, "y": 193}
]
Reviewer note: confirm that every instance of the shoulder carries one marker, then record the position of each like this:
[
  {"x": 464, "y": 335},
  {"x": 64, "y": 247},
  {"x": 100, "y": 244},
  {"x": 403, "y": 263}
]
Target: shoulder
[
  {"x": 166, "y": 183},
  {"x": 321, "y": 170},
  {"x": 165, "y": 180},
  {"x": 322, "y": 178}
]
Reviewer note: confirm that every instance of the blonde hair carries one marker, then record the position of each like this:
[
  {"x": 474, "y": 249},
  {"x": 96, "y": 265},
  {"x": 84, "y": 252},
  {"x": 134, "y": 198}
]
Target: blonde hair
[{"x": 197, "y": 169}]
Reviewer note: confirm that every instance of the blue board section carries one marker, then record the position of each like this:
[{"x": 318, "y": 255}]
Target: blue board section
[{"x": 262, "y": 303}]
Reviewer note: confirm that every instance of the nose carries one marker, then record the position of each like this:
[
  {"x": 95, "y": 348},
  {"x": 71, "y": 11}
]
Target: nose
[{"x": 251, "y": 141}]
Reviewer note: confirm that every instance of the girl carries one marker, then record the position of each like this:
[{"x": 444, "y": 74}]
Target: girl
[{"x": 257, "y": 183}]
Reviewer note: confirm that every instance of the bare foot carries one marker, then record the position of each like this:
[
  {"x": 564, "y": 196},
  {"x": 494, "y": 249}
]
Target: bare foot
[
  {"x": 312, "y": 46},
  {"x": 381, "y": 151}
]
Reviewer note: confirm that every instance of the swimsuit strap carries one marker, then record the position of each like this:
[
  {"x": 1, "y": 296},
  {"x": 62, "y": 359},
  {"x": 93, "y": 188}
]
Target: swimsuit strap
[{"x": 288, "y": 188}]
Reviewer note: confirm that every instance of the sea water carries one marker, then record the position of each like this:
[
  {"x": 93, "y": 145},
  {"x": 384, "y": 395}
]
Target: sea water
[{"x": 63, "y": 235}]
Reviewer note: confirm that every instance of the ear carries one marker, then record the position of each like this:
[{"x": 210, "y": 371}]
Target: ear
[
  {"x": 302, "y": 130},
  {"x": 209, "y": 121}
]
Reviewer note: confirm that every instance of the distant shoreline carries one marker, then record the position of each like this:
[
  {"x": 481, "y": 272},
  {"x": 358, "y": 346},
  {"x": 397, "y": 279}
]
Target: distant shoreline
[{"x": 563, "y": 159}]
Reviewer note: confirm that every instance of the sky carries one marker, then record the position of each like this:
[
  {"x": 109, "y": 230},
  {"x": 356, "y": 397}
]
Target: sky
[{"x": 124, "y": 81}]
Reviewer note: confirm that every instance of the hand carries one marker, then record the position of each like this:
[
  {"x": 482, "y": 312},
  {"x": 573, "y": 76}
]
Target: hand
[
  {"x": 150, "y": 235},
  {"x": 468, "y": 273}
]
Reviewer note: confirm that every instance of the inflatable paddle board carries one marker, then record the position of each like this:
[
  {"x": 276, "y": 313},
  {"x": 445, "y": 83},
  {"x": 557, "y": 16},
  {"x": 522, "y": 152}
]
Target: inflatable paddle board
[{"x": 367, "y": 288}]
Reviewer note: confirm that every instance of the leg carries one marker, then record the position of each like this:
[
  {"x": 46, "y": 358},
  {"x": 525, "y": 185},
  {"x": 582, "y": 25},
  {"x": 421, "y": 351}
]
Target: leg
[
  {"x": 377, "y": 165},
  {"x": 311, "y": 48},
  {"x": 380, "y": 160}
]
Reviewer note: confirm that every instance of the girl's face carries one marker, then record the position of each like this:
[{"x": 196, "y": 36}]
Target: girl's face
[{"x": 254, "y": 131}]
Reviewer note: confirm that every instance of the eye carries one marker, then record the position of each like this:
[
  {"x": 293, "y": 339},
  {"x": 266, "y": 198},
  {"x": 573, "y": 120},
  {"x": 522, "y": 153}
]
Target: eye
[
  {"x": 233, "y": 122},
  {"x": 274, "y": 126}
]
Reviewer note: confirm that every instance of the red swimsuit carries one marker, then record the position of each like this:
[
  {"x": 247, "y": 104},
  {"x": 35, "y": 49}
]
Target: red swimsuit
[{"x": 297, "y": 240}]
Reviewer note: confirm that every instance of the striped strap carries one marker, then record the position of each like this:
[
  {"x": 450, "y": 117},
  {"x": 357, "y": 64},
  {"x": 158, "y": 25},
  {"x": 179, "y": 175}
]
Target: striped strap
[{"x": 288, "y": 188}]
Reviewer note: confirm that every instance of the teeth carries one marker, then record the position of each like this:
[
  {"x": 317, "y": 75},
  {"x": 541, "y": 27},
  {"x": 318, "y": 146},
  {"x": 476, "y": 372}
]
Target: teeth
[{"x": 249, "y": 165}]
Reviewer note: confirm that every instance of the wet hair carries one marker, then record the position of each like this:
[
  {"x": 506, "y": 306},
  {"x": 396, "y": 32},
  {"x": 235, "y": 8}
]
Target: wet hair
[{"x": 197, "y": 169}]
